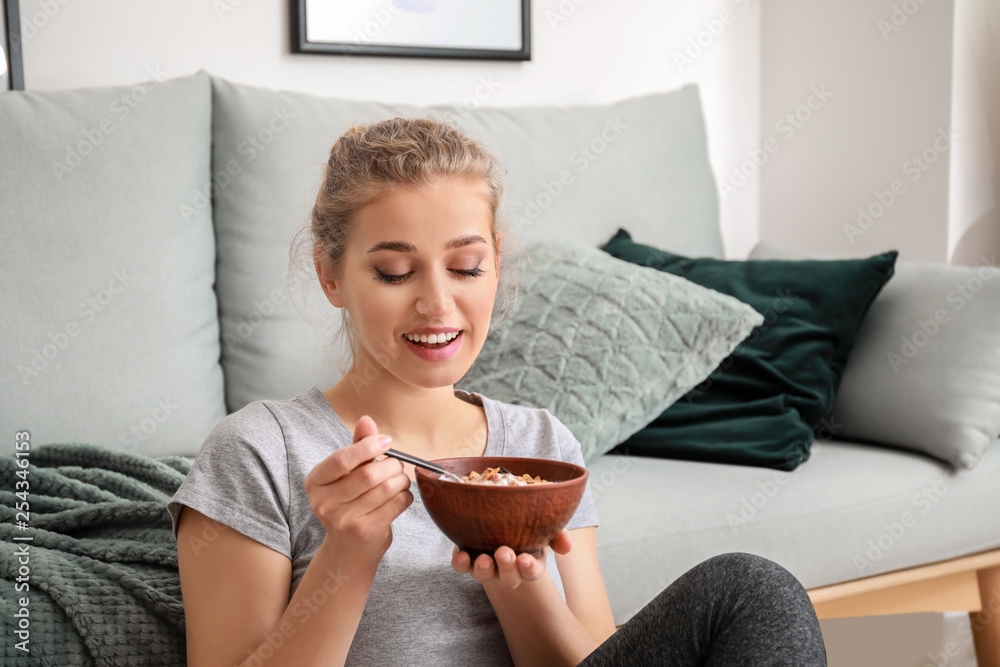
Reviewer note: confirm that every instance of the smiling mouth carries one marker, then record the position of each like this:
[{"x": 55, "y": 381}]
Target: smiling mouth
[{"x": 432, "y": 346}]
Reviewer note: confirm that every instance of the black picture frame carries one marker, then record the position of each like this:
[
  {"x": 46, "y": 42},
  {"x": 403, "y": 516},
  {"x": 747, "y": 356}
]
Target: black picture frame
[
  {"x": 301, "y": 44},
  {"x": 10, "y": 46}
]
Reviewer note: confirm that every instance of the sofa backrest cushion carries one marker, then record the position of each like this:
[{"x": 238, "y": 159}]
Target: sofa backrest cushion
[
  {"x": 110, "y": 331},
  {"x": 574, "y": 172},
  {"x": 925, "y": 374}
]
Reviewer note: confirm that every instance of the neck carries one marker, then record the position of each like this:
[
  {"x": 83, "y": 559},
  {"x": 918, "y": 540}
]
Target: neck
[{"x": 423, "y": 417}]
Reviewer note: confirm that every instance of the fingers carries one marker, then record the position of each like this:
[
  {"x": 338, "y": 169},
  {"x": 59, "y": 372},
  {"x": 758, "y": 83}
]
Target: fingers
[
  {"x": 392, "y": 506},
  {"x": 531, "y": 568},
  {"x": 562, "y": 543},
  {"x": 505, "y": 566},
  {"x": 364, "y": 428},
  {"x": 374, "y": 484},
  {"x": 343, "y": 461},
  {"x": 482, "y": 569},
  {"x": 460, "y": 561},
  {"x": 509, "y": 568},
  {"x": 358, "y": 493}
]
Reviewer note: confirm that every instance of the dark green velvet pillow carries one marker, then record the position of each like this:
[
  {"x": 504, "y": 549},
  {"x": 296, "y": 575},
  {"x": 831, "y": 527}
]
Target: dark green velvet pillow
[{"x": 765, "y": 403}]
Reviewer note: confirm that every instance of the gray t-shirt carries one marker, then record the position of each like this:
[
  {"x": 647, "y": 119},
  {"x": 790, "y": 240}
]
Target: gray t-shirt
[{"x": 250, "y": 475}]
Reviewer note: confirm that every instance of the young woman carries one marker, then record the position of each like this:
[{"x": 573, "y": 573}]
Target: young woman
[{"x": 300, "y": 544}]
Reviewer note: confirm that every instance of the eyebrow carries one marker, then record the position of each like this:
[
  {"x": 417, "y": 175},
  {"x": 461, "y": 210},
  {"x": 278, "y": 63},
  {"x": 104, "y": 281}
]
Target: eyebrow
[{"x": 403, "y": 246}]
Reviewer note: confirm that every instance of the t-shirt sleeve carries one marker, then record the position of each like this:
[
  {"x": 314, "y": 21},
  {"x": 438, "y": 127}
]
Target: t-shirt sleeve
[
  {"x": 240, "y": 479},
  {"x": 571, "y": 452}
]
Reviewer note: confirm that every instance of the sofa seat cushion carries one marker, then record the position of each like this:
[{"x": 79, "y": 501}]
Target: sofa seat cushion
[
  {"x": 110, "y": 326},
  {"x": 851, "y": 511}
]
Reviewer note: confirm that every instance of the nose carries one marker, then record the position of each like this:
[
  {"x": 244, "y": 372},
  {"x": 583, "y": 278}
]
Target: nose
[{"x": 435, "y": 299}]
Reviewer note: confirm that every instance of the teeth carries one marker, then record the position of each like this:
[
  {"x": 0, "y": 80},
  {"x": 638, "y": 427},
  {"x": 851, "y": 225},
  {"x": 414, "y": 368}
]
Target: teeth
[{"x": 432, "y": 338}]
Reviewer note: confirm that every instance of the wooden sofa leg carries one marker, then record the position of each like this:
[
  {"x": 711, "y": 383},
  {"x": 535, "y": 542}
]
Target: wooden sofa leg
[{"x": 986, "y": 623}]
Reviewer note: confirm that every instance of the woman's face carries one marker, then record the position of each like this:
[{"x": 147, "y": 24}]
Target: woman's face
[{"x": 420, "y": 258}]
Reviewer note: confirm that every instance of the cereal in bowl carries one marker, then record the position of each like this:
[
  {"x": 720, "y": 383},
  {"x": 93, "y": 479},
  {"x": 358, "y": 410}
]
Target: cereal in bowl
[{"x": 500, "y": 476}]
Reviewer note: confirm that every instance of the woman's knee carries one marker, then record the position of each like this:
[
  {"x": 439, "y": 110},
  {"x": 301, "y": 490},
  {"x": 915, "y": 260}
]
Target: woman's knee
[
  {"x": 745, "y": 565},
  {"x": 747, "y": 571}
]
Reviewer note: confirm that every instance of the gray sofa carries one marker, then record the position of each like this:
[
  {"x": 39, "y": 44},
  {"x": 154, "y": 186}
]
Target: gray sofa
[{"x": 144, "y": 244}]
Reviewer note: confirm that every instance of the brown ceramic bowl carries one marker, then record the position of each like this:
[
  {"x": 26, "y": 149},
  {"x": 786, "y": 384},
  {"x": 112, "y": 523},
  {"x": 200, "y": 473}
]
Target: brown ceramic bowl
[{"x": 480, "y": 518}]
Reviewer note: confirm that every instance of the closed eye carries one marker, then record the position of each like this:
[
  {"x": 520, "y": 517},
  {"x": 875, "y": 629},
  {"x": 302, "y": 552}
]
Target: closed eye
[{"x": 395, "y": 280}]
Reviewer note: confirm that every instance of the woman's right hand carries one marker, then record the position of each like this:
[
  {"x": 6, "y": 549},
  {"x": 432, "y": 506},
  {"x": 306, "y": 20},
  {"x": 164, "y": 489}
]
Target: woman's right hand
[{"x": 356, "y": 497}]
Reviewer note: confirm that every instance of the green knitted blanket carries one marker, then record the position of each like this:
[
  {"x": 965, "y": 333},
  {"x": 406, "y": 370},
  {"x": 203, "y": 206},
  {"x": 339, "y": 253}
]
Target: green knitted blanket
[{"x": 97, "y": 583}]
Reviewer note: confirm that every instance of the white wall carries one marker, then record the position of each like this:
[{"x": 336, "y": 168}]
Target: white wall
[
  {"x": 583, "y": 51},
  {"x": 974, "y": 224},
  {"x": 898, "y": 72},
  {"x": 755, "y": 62},
  {"x": 878, "y": 139}
]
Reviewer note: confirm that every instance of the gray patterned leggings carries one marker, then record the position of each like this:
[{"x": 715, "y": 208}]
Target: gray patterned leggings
[{"x": 736, "y": 609}]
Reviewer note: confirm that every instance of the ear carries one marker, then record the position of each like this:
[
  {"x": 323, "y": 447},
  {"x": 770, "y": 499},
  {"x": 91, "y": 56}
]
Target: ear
[{"x": 331, "y": 286}]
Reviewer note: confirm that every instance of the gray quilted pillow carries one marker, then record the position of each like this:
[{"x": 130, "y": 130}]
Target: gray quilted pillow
[{"x": 605, "y": 345}]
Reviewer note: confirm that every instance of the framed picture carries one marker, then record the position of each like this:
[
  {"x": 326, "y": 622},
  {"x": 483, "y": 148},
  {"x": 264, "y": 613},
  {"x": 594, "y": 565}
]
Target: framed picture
[
  {"x": 11, "y": 72},
  {"x": 477, "y": 29}
]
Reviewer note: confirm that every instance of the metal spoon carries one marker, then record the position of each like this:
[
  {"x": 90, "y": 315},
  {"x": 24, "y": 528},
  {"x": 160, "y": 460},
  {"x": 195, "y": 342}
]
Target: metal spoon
[{"x": 427, "y": 465}]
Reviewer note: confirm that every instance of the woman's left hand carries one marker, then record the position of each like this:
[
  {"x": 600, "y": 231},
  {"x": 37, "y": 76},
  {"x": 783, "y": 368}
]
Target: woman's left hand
[{"x": 508, "y": 568}]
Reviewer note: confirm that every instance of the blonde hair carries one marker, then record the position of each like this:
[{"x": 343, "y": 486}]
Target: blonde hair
[{"x": 369, "y": 160}]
